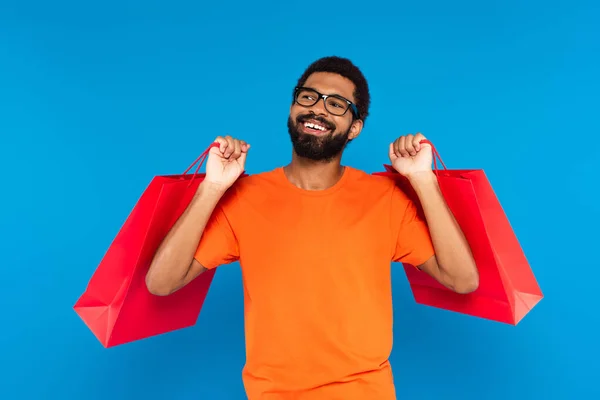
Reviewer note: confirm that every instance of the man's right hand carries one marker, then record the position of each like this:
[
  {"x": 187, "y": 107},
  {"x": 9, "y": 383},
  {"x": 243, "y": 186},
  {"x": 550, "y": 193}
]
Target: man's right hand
[{"x": 226, "y": 163}]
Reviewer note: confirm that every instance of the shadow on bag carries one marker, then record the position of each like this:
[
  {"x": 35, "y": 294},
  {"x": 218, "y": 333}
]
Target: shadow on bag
[
  {"x": 508, "y": 289},
  {"x": 116, "y": 305}
]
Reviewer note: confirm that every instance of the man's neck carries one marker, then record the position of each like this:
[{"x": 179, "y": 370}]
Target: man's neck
[{"x": 313, "y": 175}]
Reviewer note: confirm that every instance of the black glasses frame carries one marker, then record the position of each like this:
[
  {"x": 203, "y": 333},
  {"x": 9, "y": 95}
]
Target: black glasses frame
[{"x": 320, "y": 96}]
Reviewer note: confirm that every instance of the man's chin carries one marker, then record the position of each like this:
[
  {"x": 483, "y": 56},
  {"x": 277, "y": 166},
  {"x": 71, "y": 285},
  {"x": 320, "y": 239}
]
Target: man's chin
[
  {"x": 314, "y": 147},
  {"x": 314, "y": 150}
]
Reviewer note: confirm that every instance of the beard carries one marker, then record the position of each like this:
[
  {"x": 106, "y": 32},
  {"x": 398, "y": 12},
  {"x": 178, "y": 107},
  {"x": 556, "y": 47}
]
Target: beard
[{"x": 316, "y": 148}]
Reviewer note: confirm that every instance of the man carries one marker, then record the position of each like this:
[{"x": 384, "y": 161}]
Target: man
[{"x": 315, "y": 240}]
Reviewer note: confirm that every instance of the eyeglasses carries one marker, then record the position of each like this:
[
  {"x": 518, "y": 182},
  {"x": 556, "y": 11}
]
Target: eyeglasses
[{"x": 334, "y": 104}]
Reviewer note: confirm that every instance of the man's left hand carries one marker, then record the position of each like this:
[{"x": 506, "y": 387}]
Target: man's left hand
[{"x": 409, "y": 157}]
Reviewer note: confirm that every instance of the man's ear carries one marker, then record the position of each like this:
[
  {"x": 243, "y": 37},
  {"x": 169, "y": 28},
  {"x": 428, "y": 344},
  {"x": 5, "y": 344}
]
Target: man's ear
[{"x": 355, "y": 129}]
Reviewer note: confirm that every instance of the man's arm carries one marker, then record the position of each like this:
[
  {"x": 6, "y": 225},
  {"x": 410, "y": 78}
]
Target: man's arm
[
  {"x": 174, "y": 265},
  {"x": 453, "y": 264}
]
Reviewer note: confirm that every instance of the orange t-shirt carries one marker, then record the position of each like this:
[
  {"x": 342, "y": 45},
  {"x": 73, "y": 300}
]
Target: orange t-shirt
[{"x": 317, "y": 281}]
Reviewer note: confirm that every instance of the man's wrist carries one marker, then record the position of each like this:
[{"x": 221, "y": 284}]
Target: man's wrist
[
  {"x": 422, "y": 178},
  {"x": 211, "y": 189},
  {"x": 425, "y": 184}
]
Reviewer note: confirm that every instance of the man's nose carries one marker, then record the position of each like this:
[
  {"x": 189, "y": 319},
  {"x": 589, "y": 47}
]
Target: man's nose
[{"x": 319, "y": 108}]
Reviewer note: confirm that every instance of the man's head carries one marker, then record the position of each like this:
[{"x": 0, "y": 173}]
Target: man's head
[{"x": 330, "y": 105}]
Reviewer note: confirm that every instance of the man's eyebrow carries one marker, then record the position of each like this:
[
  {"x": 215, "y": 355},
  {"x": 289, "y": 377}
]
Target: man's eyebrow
[{"x": 329, "y": 94}]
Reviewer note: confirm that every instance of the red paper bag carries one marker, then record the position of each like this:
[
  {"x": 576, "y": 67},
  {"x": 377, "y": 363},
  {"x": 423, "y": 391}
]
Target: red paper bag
[
  {"x": 508, "y": 289},
  {"x": 116, "y": 305}
]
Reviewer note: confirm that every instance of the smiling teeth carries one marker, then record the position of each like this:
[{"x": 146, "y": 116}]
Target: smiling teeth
[{"x": 314, "y": 126}]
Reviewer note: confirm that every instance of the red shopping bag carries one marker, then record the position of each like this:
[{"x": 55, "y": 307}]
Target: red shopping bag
[
  {"x": 508, "y": 289},
  {"x": 116, "y": 305}
]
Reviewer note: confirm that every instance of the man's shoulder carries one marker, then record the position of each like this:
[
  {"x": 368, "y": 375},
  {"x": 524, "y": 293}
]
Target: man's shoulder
[
  {"x": 382, "y": 189},
  {"x": 261, "y": 180},
  {"x": 257, "y": 191},
  {"x": 255, "y": 184}
]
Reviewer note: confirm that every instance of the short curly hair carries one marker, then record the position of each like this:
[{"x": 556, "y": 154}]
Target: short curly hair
[{"x": 344, "y": 67}]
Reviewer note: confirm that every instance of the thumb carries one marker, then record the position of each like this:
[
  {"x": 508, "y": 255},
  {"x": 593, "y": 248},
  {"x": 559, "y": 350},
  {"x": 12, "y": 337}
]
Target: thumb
[
  {"x": 242, "y": 159},
  {"x": 215, "y": 151}
]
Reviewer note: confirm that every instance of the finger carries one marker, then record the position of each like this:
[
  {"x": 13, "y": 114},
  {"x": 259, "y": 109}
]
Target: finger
[
  {"x": 408, "y": 144},
  {"x": 244, "y": 146},
  {"x": 402, "y": 147},
  {"x": 417, "y": 141},
  {"x": 397, "y": 147},
  {"x": 230, "y": 147},
  {"x": 392, "y": 152},
  {"x": 222, "y": 143},
  {"x": 237, "y": 149}
]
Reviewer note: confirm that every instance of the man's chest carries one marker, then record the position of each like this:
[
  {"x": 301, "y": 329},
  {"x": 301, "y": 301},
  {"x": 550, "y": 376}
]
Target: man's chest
[{"x": 313, "y": 231}]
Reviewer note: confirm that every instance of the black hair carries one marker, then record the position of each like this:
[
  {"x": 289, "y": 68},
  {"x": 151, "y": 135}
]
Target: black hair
[{"x": 345, "y": 68}]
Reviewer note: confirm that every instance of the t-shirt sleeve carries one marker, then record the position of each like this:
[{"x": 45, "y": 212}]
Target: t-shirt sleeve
[
  {"x": 412, "y": 240},
  {"x": 218, "y": 244}
]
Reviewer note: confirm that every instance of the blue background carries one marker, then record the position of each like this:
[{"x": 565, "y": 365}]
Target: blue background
[{"x": 96, "y": 99}]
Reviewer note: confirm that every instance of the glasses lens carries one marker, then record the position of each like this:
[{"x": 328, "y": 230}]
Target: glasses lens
[
  {"x": 336, "y": 106},
  {"x": 307, "y": 97}
]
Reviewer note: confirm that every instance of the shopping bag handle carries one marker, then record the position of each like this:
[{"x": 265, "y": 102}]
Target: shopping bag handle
[
  {"x": 435, "y": 154},
  {"x": 200, "y": 160}
]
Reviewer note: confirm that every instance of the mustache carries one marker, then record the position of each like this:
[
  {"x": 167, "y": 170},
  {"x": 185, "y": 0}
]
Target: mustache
[{"x": 307, "y": 117}]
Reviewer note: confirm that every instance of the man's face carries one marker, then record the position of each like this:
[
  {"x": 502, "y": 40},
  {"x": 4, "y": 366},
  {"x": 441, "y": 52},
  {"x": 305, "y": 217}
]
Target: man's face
[{"x": 316, "y": 133}]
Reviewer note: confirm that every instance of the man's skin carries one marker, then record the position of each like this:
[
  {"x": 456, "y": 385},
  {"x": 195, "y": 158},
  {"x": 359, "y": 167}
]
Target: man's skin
[{"x": 453, "y": 265}]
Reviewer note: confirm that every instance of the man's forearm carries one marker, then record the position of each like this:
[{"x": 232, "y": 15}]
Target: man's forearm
[
  {"x": 455, "y": 261},
  {"x": 173, "y": 259}
]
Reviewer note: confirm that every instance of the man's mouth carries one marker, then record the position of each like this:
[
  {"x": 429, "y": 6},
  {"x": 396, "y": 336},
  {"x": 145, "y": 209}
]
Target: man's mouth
[{"x": 315, "y": 128}]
